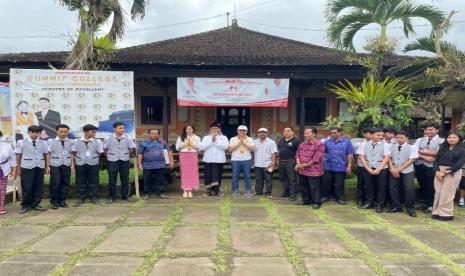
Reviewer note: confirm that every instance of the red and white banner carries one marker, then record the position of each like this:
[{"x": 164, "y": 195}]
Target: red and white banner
[{"x": 232, "y": 92}]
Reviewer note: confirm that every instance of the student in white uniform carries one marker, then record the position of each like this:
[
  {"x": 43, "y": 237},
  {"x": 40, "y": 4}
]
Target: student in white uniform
[
  {"x": 87, "y": 151},
  {"x": 402, "y": 174},
  {"x": 375, "y": 156},
  {"x": 61, "y": 165}
]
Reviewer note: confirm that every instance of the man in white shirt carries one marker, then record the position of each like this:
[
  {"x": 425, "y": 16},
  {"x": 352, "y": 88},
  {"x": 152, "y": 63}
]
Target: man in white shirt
[
  {"x": 213, "y": 147},
  {"x": 402, "y": 174},
  {"x": 428, "y": 147},
  {"x": 265, "y": 162},
  {"x": 240, "y": 147}
]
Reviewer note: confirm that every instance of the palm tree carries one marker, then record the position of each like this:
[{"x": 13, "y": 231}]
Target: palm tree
[
  {"x": 92, "y": 15},
  {"x": 347, "y": 17}
]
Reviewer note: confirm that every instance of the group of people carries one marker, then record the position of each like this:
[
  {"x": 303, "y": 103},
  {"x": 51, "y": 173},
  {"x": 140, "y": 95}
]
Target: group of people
[{"x": 386, "y": 165}]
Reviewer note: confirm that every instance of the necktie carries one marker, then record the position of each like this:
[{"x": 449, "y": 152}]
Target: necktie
[
  {"x": 62, "y": 143},
  {"x": 373, "y": 145},
  {"x": 86, "y": 142},
  {"x": 429, "y": 142},
  {"x": 119, "y": 139},
  {"x": 399, "y": 147},
  {"x": 34, "y": 143}
]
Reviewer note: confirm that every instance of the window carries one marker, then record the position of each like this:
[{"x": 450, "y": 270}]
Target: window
[
  {"x": 152, "y": 110},
  {"x": 315, "y": 111},
  {"x": 344, "y": 113}
]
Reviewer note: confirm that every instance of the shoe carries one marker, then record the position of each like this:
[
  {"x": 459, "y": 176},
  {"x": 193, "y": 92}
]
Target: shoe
[
  {"x": 435, "y": 216},
  {"x": 379, "y": 209},
  {"x": 316, "y": 206},
  {"x": 2, "y": 212},
  {"x": 360, "y": 204},
  {"x": 445, "y": 218},
  {"x": 257, "y": 193},
  {"x": 248, "y": 195},
  {"x": 422, "y": 207},
  {"x": 341, "y": 202},
  {"x": 269, "y": 196},
  {"x": 146, "y": 196},
  {"x": 79, "y": 203},
  {"x": 110, "y": 200},
  {"x": 395, "y": 210},
  {"x": 366, "y": 206},
  {"x": 303, "y": 203},
  {"x": 129, "y": 199},
  {"x": 163, "y": 196},
  {"x": 95, "y": 201},
  {"x": 55, "y": 206},
  {"x": 184, "y": 194},
  {"x": 39, "y": 208},
  {"x": 428, "y": 210},
  {"x": 234, "y": 194},
  {"x": 24, "y": 210},
  {"x": 461, "y": 203},
  {"x": 292, "y": 198},
  {"x": 220, "y": 194},
  {"x": 412, "y": 213},
  {"x": 63, "y": 205},
  {"x": 324, "y": 199},
  {"x": 205, "y": 194}
]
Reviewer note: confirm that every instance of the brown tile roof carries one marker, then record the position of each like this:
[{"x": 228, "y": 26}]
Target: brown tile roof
[{"x": 232, "y": 45}]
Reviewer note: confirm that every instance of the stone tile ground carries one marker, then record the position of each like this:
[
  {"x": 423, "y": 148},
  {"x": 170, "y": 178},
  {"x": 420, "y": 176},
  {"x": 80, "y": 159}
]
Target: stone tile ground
[{"x": 225, "y": 236}]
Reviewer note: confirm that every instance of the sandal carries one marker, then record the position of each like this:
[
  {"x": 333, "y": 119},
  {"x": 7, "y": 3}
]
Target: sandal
[
  {"x": 184, "y": 194},
  {"x": 189, "y": 194}
]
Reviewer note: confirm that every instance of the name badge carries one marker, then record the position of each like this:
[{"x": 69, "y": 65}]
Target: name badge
[
  {"x": 88, "y": 154},
  {"x": 65, "y": 153}
]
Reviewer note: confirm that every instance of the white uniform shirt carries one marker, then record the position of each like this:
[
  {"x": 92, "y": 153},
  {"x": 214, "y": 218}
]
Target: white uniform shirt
[
  {"x": 7, "y": 158},
  {"x": 242, "y": 153},
  {"x": 214, "y": 152}
]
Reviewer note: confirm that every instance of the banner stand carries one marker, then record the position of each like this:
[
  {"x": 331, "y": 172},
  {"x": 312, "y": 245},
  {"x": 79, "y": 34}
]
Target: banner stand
[{"x": 136, "y": 175}]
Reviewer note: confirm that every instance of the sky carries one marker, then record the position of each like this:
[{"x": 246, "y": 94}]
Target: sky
[{"x": 45, "y": 25}]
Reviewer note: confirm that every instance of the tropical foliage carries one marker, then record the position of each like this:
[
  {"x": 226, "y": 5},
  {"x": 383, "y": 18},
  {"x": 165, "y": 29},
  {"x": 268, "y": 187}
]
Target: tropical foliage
[
  {"x": 377, "y": 103},
  {"x": 89, "y": 51}
]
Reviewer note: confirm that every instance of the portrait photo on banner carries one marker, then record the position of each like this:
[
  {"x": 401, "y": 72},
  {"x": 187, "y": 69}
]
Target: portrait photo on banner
[{"x": 51, "y": 97}]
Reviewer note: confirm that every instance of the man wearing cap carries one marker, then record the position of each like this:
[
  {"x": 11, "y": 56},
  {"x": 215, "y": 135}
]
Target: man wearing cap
[
  {"x": 264, "y": 161},
  {"x": 240, "y": 147},
  {"x": 214, "y": 157},
  {"x": 87, "y": 151}
]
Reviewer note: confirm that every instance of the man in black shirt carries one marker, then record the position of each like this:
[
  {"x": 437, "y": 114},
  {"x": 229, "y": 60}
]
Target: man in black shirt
[{"x": 287, "y": 148}]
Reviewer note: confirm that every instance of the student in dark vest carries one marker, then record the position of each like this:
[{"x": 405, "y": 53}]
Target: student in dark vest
[
  {"x": 375, "y": 156},
  {"x": 31, "y": 155},
  {"x": 118, "y": 149},
  {"x": 61, "y": 164},
  {"x": 402, "y": 174},
  {"x": 428, "y": 147},
  {"x": 366, "y": 132},
  {"x": 87, "y": 151}
]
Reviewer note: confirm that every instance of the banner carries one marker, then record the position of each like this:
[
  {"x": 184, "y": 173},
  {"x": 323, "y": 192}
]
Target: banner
[
  {"x": 232, "y": 92},
  {"x": 5, "y": 111},
  {"x": 75, "y": 98}
]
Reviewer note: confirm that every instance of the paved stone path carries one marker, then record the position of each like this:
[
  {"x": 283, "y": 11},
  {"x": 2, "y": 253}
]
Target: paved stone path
[{"x": 213, "y": 236}]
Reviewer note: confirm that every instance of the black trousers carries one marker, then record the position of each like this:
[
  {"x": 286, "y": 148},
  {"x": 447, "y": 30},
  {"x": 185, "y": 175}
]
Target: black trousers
[
  {"x": 60, "y": 178},
  {"x": 213, "y": 175},
  {"x": 310, "y": 187},
  {"x": 152, "y": 176},
  {"x": 32, "y": 185},
  {"x": 376, "y": 183},
  {"x": 334, "y": 181},
  {"x": 395, "y": 184},
  {"x": 361, "y": 197},
  {"x": 122, "y": 168},
  {"x": 263, "y": 178},
  {"x": 288, "y": 177},
  {"x": 87, "y": 181},
  {"x": 425, "y": 177}
]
